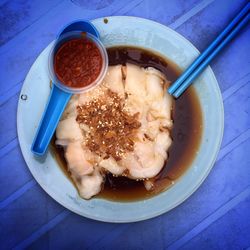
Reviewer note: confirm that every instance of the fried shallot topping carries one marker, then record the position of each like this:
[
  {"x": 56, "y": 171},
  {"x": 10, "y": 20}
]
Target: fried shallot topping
[{"x": 111, "y": 129}]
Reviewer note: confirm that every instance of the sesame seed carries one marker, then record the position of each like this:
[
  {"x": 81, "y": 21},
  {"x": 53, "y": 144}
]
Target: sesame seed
[{"x": 112, "y": 128}]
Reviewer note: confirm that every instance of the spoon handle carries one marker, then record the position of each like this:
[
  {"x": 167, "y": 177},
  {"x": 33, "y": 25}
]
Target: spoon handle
[{"x": 58, "y": 100}]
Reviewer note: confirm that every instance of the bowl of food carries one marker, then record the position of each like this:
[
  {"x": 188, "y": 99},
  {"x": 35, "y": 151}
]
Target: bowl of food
[{"x": 126, "y": 150}]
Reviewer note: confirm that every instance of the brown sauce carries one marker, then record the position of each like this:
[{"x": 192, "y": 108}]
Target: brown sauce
[{"x": 186, "y": 133}]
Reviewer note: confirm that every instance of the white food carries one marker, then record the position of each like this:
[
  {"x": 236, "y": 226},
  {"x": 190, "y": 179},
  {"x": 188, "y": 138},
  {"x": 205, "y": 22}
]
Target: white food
[
  {"x": 77, "y": 162},
  {"x": 68, "y": 129},
  {"x": 144, "y": 92},
  {"x": 112, "y": 166},
  {"x": 89, "y": 185},
  {"x": 113, "y": 80}
]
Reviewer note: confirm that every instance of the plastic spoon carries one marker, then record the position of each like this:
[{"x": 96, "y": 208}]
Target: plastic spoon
[{"x": 58, "y": 98}]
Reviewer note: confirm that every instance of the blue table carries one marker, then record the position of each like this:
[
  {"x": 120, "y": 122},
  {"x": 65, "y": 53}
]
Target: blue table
[{"x": 216, "y": 216}]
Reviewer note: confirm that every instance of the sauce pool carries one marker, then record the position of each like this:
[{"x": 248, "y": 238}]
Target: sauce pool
[{"x": 78, "y": 62}]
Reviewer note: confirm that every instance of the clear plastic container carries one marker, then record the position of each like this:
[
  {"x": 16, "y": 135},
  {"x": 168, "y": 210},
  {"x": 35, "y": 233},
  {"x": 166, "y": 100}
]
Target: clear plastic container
[{"x": 67, "y": 37}]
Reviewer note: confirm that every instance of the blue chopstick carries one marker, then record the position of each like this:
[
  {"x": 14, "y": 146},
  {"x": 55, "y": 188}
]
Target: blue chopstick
[
  {"x": 185, "y": 84},
  {"x": 210, "y": 48}
]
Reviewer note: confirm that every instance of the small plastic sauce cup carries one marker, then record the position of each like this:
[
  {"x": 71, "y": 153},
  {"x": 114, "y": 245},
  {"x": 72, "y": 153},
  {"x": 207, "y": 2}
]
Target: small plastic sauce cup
[{"x": 65, "y": 38}]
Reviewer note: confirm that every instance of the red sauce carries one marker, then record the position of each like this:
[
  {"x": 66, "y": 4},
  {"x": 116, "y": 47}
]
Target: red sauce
[{"x": 78, "y": 62}]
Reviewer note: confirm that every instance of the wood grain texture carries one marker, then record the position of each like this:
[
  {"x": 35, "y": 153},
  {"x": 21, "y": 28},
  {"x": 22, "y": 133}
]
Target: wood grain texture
[{"x": 216, "y": 216}]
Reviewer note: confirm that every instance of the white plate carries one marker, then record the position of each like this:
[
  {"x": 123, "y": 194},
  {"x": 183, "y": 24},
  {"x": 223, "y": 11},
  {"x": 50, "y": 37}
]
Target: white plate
[{"x": 123, "y": 31}]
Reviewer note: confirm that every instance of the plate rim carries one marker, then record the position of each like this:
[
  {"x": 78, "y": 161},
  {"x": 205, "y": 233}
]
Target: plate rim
[{"x": 142, "y": 217}]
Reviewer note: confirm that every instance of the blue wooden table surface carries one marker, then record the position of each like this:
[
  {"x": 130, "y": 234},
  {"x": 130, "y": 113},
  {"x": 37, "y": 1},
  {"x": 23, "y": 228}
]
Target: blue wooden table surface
[{"x": 216, "y": 216}]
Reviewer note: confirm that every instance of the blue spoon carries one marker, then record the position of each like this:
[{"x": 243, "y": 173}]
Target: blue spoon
[{"x": 58, "y": 98}]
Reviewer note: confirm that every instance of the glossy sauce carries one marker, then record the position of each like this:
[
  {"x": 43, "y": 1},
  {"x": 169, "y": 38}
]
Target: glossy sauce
[
  {"x": 78, "y": 62},
  {"x": 186, "y": 132}
]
